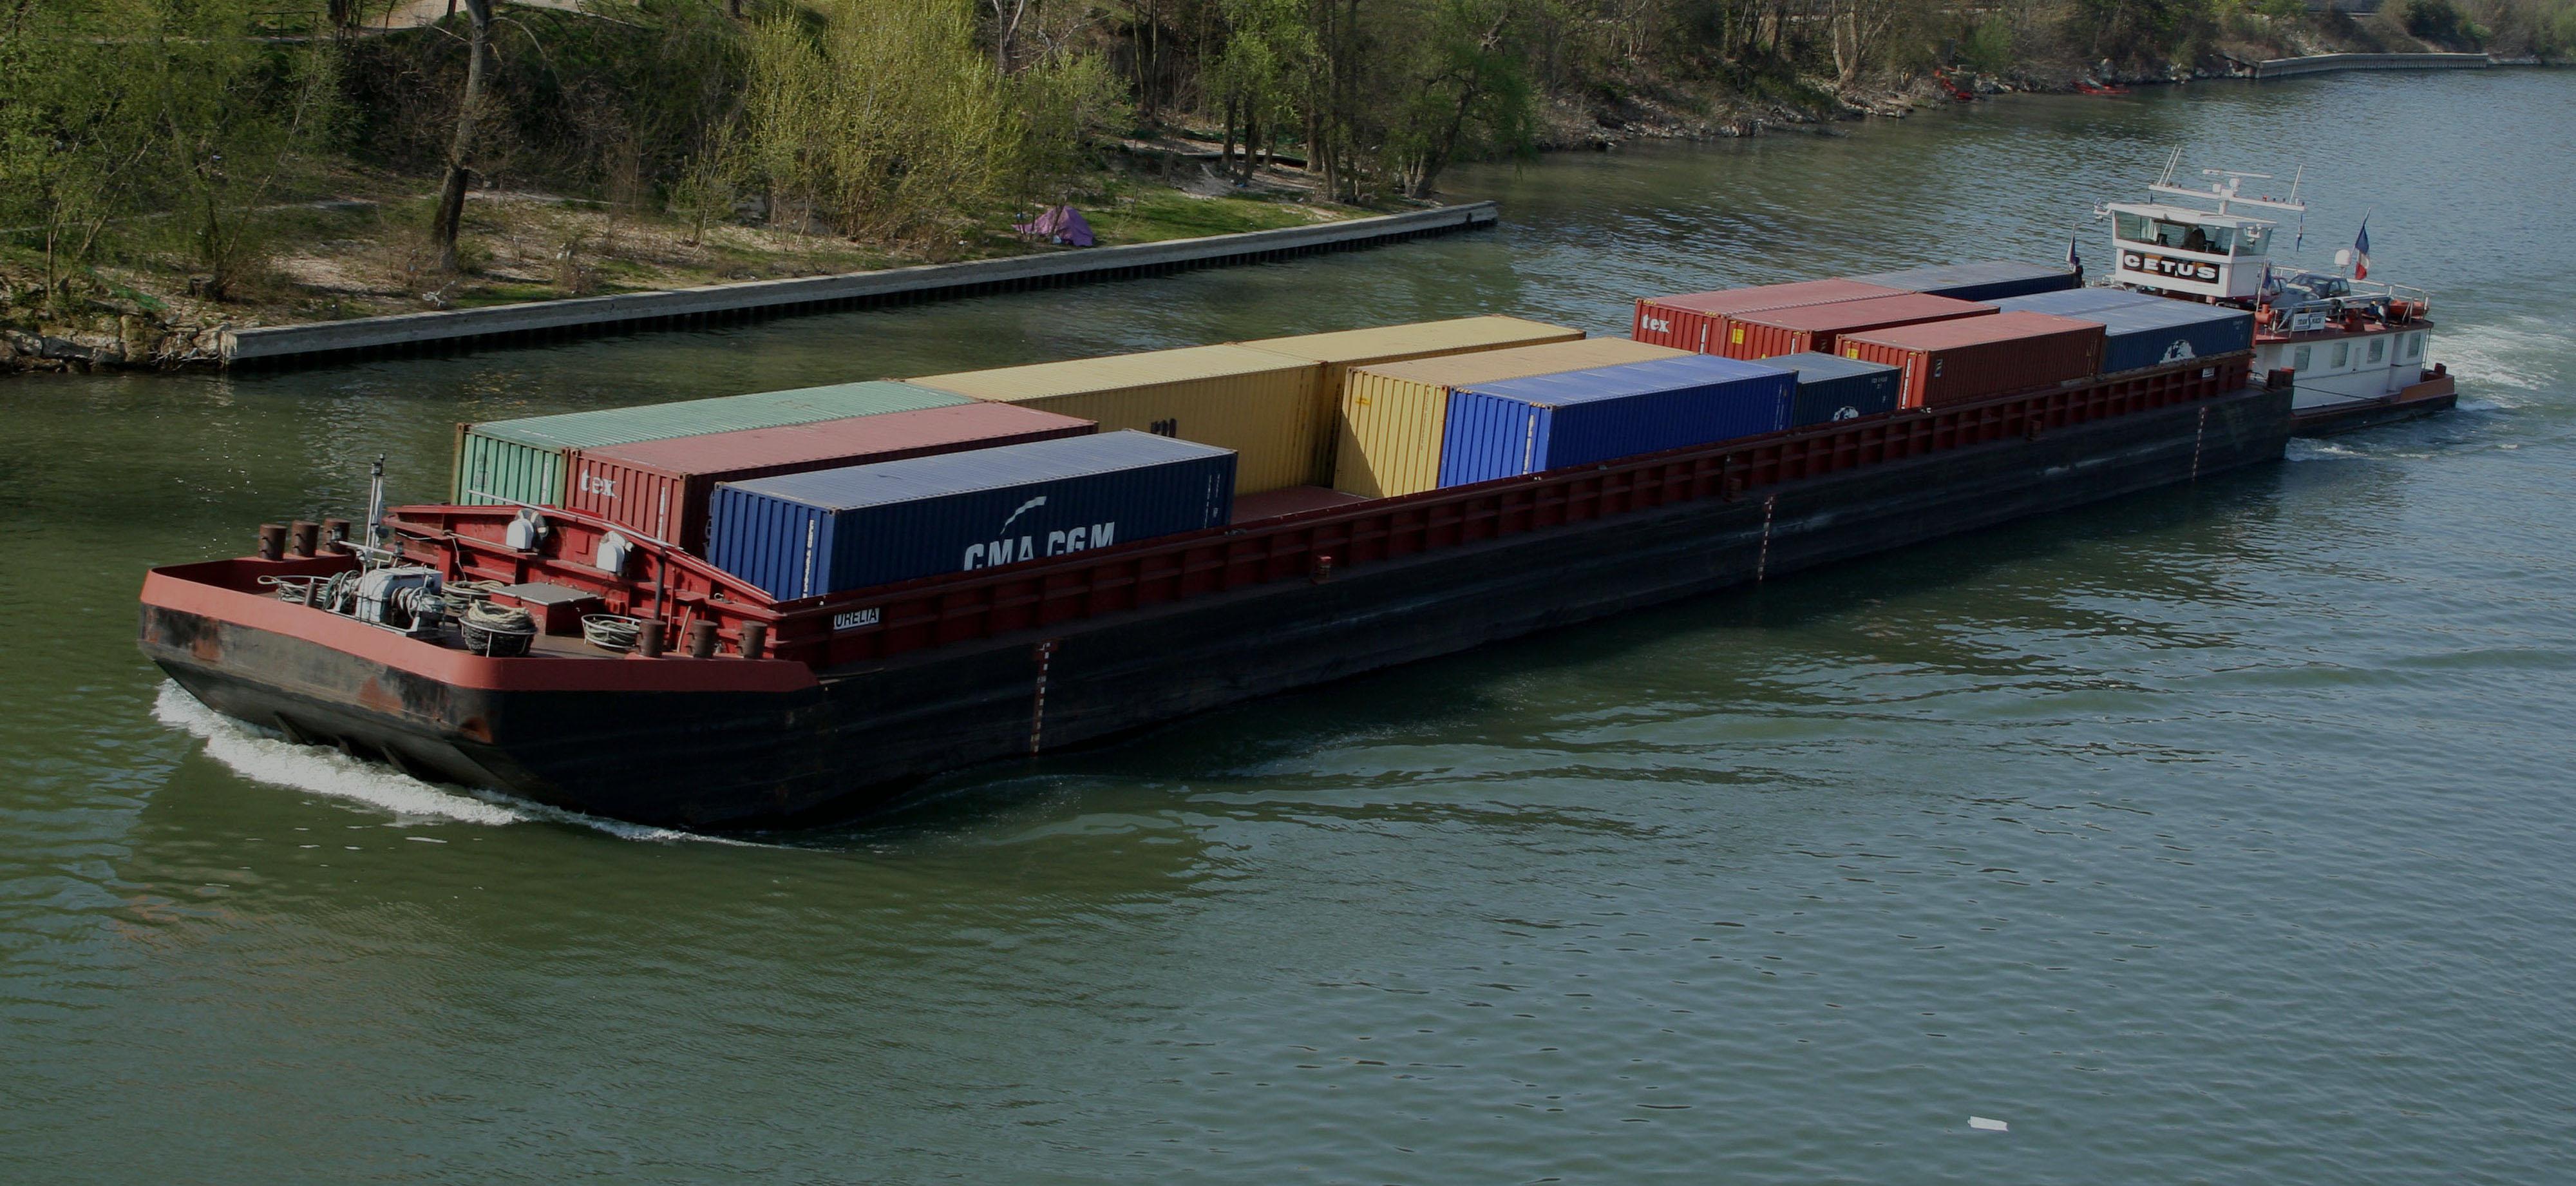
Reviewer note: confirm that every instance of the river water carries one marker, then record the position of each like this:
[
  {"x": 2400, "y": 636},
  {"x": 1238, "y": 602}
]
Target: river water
[{"x": 2219, "y": 834}]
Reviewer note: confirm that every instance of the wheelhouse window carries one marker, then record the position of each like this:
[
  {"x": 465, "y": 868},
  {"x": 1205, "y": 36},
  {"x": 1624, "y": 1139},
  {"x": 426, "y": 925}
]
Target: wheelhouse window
[
  {"x": 2414, "y": 346},
  {"x": 2342, "y": 355},
  {"x": 2379, "y": 350},
  {"x": 2301, "y": 357}
]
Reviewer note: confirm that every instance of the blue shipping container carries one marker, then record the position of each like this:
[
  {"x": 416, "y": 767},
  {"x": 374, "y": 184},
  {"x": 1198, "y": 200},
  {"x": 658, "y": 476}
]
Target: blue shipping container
[
  {"x": 2168, "y": 331},
  {"x": 1983, "y": 281},
  {"x": 2076, "y": 302},
  {"x": 1831, "y": 388},
  {"x": 803, "y": 535},
  {"x": 1545, "y": 422}
]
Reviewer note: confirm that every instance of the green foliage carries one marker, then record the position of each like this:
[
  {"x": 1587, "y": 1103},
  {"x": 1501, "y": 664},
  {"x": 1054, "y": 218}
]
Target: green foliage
[
  {"x": 885, "y": 118},
  {"x": 135, "y": 124},
  {"x": 2437, "y": 21},
  {"x": 1988, "y": 48}
]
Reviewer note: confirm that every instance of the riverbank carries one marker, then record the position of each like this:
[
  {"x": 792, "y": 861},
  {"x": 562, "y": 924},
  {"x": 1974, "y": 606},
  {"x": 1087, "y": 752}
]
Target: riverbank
[{"x": 361, "y": 250}]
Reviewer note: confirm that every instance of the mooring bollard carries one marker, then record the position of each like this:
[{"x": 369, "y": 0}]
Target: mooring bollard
[
  {"x": 272, "y": 541},
  {"x": 755, "y": 639},
  {"x": 648, "y": 640},
  {"x": 702, "y": 640},
  {"x": 300, "y": 538}
]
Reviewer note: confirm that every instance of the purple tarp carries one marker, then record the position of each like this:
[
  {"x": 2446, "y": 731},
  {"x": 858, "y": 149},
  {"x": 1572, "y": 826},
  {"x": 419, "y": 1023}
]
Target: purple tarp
[{"x": 1058, "y": 224}]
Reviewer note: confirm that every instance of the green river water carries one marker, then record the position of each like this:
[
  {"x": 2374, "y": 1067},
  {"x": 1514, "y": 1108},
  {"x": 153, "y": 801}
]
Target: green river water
[{"x": 2221, "y": 834}]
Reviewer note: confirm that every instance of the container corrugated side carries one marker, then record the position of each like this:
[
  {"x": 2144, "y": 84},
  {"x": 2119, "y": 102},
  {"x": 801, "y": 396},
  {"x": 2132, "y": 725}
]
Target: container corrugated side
[
  {"x": 2162, "y": 331},
  {"x": 1812, "y": 328},
  {"x": 1393, "y": 416},
  {"x": 521, "y": 461},
  {"x": 1949, "y": 362},
  {"x": 1696, "y": 321},
  {"x": 1984, "y": 280},
  {"x": 1341, "y": 350},
  {"x": 1832, "y": 389},
  {"x": 829, "y": 531},
  {"x": 659, "y": 489},
  {"x": 1258, "y": 403},
  {"x": 2074, "y": 302},
  {"x": 1545, "y": 422}
]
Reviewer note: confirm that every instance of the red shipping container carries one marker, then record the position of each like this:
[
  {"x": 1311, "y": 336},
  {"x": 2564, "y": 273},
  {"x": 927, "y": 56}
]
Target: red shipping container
[
  {"x": 1953, "y": 362},
  {"x": 659, "y": 489},
  {"x": 1697, "y": 320},
  {"x": 1774, "y": 332}
]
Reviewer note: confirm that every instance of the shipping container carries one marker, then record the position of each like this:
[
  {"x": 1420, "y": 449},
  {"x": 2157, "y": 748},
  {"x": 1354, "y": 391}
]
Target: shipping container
[
  {"x": 1339, "y": 352},
  {"x": 1812, "y": 328},
  {"x": 1949, "y": 362},
  {"x": 1393, "y": 416},
  {"x": 1696, "y": 321},
  {"x": 2076, "y": 301},
  {"x": 1258, "y": 403},
  {"x": 1531, "y": 425},
  {"x": 2162, "y": 331},
  {"x": 658, "y": 489},
  {"x": 829, "y": 531},
  {"x": 1982, "y": 281},
  {"x": 521, "y": 461},
  {"x": 1831, "y": 388}
]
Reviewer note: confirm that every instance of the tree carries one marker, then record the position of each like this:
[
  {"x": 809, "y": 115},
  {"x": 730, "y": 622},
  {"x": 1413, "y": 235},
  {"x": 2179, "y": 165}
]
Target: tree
[{"x": 450, "y": 214}]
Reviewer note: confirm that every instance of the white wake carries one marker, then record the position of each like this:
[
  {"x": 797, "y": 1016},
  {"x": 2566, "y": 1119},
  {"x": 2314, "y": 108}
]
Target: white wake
[{"x": 261, "y": 755}]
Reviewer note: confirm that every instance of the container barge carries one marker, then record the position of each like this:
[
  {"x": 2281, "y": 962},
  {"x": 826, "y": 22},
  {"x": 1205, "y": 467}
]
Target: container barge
[{"x": 761, "y": 610}]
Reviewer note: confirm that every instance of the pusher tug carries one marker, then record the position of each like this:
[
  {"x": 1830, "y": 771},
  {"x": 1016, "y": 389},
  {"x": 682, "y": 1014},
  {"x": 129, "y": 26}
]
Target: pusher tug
[{"x": 2357, "y": 347}]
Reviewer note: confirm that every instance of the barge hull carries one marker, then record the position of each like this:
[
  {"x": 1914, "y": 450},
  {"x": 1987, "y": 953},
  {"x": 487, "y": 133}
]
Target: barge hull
[{"x": 780, "y": 750}]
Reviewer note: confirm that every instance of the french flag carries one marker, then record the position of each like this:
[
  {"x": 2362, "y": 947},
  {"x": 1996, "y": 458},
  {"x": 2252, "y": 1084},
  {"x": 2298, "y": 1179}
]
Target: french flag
[{"x": 2361, "y": 251}]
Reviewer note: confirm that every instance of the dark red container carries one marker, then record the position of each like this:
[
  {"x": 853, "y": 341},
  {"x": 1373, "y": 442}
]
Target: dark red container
[
  {"x": 1697, "y": 320},
  {"x": 1952, "y": 362},
  {"x": 1813, "y": 328},
  {"x": 659, "y": 489}
]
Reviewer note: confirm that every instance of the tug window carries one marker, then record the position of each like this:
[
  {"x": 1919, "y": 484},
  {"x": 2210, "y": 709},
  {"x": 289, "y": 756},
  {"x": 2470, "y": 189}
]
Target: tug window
[
  {"x": 2379, "y": 350},
  {"x": 2414, "y": 346},
  {"x": 2343, "y": 355},
  {"x": 2300, "y": 359}
]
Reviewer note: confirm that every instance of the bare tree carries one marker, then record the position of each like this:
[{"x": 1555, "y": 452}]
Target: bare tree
[{"x": 469, "y": 108}]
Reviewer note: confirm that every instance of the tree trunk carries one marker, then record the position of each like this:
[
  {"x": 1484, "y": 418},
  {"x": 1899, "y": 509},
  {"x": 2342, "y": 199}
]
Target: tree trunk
[
  {"x": 469, "y": 106},
  {"x": 1225, "y": 155}
]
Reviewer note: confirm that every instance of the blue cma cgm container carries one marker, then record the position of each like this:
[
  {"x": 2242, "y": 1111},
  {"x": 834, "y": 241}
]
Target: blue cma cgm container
[
  {"x": 1831, "y": 388},
  {"x": 1545, "y": 422},
  {"x": 803, "y": 535},
  {"x": 1984, "y": 281}
]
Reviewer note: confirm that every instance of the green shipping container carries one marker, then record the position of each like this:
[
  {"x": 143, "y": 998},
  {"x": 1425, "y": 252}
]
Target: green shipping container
[{"x": 522, "y": 461}]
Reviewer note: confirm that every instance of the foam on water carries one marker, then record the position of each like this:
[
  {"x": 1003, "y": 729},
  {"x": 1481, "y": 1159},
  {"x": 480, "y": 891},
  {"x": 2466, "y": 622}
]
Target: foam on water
[
  {"x": 258, "y": 754},
  {"x": 2512, "y": 357}
]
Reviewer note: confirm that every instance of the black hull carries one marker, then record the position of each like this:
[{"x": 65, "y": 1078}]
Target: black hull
[
  {"x": 863, "y": 737},
  {"x": 2328, "y": 422}
]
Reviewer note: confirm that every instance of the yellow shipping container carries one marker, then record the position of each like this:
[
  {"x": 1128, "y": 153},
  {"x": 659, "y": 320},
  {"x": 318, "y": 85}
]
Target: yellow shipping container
[
  {"x": 1393, "y": 415},
  {"x": 1258, "y": 403},
  {"x": 1342, "y": 350}
]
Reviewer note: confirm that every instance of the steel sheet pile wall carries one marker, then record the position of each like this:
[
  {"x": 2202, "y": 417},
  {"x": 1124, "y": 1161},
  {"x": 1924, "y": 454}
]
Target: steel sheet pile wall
[
  {"x": 1257, "y": 403},
  {"x": 1546, "y": 422},
  {"x": 1340, "y": 351},
  {"x": 1393, "y": 416},
  {"x": 1813, "y": 328},
  {"x": 1697, "y": 320},
  {"x": 803, "y": 535},
  {"x": 2150, "y": 331},
  {"x": 659, "y": 489},
  {"x": 1982, "y": 281},
  {"x": 522, "y": 461},
  {"x": 1950, "y": 362},
  {"x": 1831, "y": 389}
]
